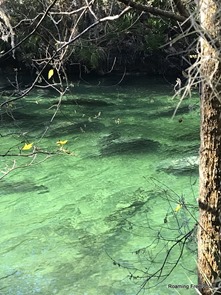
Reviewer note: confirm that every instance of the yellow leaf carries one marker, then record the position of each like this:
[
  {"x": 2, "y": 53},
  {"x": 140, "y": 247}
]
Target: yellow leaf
[
  {"x": 27, "y": 146},
  {"x": 62, "y": 142},
  {"x": 178, "y": 207},
  {"x": 50, "y": 74}
]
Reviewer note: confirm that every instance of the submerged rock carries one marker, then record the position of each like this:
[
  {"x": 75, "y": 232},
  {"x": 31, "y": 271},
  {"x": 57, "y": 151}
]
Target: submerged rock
[{"x": 181, "y": 166}]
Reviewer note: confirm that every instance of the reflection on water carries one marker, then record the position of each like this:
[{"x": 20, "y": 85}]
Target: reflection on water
[{"x": 101, "y": 216}]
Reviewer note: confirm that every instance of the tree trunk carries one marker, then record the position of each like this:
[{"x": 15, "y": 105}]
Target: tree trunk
[{"x": 209, "y": 234}]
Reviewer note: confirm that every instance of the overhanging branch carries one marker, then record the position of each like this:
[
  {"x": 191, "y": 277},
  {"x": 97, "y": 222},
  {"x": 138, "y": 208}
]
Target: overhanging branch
[
  {"x": 65, "y": 44},
  {"x": 155, "y": 11},
  {"x": 33, "y": 31}
]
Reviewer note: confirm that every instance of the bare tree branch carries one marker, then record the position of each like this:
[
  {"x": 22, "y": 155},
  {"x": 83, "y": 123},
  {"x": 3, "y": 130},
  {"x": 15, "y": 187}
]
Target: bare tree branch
[
  {"x": 33, "y": 31},
  {"x": 155, "y": 11},
  {"x": 105, "y": 19}
]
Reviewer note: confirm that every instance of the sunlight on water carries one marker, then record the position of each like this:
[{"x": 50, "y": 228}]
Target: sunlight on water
[{"x": 94, "y": 219}]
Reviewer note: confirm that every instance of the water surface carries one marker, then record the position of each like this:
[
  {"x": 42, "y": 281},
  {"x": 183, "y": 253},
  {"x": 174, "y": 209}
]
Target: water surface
[{"x": 94, "y": 217}]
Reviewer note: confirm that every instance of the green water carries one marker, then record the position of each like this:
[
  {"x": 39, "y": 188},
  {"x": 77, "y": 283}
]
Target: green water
[{"x": 95, "y": 217}]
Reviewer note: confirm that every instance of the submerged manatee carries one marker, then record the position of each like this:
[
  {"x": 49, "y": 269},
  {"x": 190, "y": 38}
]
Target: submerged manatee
[
  {"x": 123, "y": 145},
  {"x": 181, "y": 166},
  {"x": 23, "y": 187},
  {"x": 87, "y": 102}
]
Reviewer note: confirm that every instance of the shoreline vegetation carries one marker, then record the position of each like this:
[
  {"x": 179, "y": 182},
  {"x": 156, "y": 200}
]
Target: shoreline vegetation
[{"x": 134, "y": 43}]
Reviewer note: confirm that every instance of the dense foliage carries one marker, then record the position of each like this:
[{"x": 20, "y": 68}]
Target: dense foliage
[{"x": 132, "y": 42}]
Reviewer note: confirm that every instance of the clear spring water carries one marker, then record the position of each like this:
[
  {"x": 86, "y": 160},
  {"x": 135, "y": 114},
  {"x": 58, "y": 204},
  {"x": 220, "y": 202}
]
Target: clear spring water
[{"x": 96, "y": 217}]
